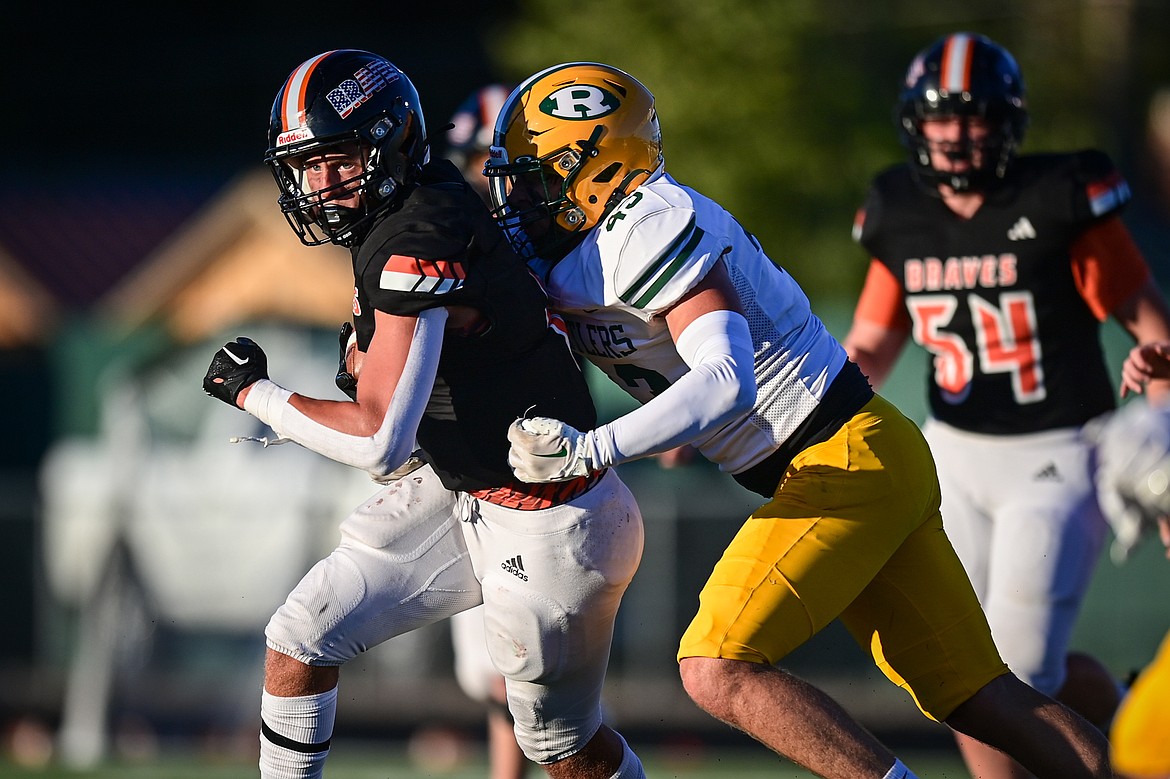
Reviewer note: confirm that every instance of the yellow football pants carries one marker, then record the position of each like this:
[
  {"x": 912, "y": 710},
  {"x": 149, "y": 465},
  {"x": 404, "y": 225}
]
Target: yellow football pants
[
  {"x": 1140, "y": 735},
  {"x": 854, "y": 531}
]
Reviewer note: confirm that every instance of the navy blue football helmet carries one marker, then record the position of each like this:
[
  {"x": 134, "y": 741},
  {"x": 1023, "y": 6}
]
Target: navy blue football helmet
[
  {"x": 342, "y": 100},
  {"x": 964, "y": 75}
]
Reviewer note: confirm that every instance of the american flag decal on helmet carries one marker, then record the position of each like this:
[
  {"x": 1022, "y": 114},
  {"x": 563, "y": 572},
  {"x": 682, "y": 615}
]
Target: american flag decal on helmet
[
  {"x": 351, "y": 93},
  {"x": 432, "y": 277}
]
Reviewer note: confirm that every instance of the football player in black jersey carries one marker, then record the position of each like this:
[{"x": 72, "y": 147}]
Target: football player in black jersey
[
  {"x": 1003, "y": 266},
  {"x": 452, "y": 342},
  {"x": 468, "y": 139}
]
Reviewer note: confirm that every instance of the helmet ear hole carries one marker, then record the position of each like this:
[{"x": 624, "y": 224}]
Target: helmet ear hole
[
  {"x": 397, "y": 159},
  {"x": 607, "y": 174}
]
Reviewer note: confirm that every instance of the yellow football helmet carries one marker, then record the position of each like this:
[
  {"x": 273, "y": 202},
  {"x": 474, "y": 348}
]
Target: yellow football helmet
[{"x": 570, "y": 143}]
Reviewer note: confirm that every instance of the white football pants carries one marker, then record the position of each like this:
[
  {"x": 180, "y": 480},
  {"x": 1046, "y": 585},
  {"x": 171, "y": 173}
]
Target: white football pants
[
  {"x": 550, "y": 582},
  {"x": 1022, "y": 514}
]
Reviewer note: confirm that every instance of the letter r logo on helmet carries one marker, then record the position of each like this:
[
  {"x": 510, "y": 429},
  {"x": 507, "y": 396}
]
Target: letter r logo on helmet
[{"x": 583, "y": 101}]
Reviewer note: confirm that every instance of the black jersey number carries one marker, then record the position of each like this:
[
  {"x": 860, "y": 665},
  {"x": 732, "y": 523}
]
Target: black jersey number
[
  {"x": 1004, "y": 336},
  {"x": 634, "y": 375}
]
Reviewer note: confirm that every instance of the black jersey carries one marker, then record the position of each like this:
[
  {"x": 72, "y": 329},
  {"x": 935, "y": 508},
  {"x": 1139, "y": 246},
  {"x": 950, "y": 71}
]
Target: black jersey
[
  {"x": 1016, "y": 347},
  {"x": 440, "y": 247}
]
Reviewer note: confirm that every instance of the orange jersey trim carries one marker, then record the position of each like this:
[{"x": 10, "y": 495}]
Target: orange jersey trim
[
  {"x": 880, "y": 302},
  {"x": 1107, "y": 266}
]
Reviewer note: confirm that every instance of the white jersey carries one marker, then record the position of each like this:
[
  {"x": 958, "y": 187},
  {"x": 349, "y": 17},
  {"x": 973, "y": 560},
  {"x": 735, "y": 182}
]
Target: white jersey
[{"x": 647, "y": 253}]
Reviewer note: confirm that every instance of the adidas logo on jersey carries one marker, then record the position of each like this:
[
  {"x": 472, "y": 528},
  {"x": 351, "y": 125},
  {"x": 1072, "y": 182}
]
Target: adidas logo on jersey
[
  {"x": 515, "y": 566},
  {"x": 1022, "y": 230},
  {"x": 1048, "y": 473}
]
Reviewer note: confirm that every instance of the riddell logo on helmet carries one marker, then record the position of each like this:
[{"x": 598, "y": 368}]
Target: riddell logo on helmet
[
  {"x": 292, "y": 136},
  {"x": 580, "y": 101}
]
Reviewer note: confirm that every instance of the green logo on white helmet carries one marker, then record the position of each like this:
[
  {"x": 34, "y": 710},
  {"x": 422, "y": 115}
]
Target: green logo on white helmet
[{"x": 580, "y": 102}]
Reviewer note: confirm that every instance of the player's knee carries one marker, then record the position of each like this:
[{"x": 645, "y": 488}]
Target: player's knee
[
  {"x": 288, "y": 677},
  {"x": 1001, "y": 701},
  {"x": 708, "y": 681},
  {"x": 577, "y": 720},
  {"x": 1090, "y": 689},
  {"x": 307, "y": 626}
]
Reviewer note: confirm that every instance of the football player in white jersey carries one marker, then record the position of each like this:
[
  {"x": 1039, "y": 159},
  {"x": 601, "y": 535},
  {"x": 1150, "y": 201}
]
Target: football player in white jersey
[
  {"x": 665, "y": 292},
  {"x": 1133, "y": 481}
]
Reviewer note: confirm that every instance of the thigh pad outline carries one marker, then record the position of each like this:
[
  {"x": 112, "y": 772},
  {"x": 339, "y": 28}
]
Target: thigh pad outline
[{"x": 527, "y": 632}]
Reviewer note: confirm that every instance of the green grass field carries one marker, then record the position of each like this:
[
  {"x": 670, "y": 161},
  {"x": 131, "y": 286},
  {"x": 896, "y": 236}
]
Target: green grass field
[{"x": 357, "y": 763}]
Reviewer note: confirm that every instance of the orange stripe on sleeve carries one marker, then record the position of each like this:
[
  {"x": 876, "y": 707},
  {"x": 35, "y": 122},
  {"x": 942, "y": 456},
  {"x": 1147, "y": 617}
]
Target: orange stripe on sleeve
[
  {"x": 880, "y": 301},
  {"x": 1107, "y": 266},
  {"x": 402, "y": 263}
]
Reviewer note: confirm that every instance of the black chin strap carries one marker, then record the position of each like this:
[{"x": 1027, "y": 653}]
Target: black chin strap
[{"x": 589, "y": 145}]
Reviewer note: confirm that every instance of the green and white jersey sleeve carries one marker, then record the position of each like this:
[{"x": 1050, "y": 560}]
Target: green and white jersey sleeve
[
  {"x": 650, "y": 251},
  {"x": 653, "y": 251}
]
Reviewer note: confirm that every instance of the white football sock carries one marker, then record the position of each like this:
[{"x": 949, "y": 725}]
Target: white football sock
[{"x": 295, "y": 733}]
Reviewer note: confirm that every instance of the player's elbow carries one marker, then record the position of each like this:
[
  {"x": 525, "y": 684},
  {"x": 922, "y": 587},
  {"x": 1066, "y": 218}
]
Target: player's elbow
[
  {"x": 379, "y": 469},
  {"x": 379, "y": 458}
]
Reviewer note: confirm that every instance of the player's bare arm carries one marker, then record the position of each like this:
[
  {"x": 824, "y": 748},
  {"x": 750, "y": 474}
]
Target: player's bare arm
[
  {"x": 875, "y": 348},
  {"x": 384, "y": 359},
  {"x": 1145, "y": 316},
  {"x": 714, "y": 293},
  {"x": 880, "y": 327}
]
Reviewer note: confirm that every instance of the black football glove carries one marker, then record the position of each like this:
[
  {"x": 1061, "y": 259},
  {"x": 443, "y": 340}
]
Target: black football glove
[
  {"x": 238, "y": 364},
  {"x": 346, "y": 382}
]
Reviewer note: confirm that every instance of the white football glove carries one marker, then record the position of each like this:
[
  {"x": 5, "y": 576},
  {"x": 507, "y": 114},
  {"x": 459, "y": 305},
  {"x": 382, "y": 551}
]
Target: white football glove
[
  {"x": 1133, "y": 472},
  {"x": 547, "y": 450}
]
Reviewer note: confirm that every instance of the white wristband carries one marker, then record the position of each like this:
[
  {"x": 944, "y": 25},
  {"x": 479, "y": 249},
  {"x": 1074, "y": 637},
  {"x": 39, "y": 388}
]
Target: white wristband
[{"x": 266, "y": 401}]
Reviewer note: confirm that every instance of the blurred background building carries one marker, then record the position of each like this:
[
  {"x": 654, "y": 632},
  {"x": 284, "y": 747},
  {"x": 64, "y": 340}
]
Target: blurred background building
[{"x": 141, "y": 553}]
